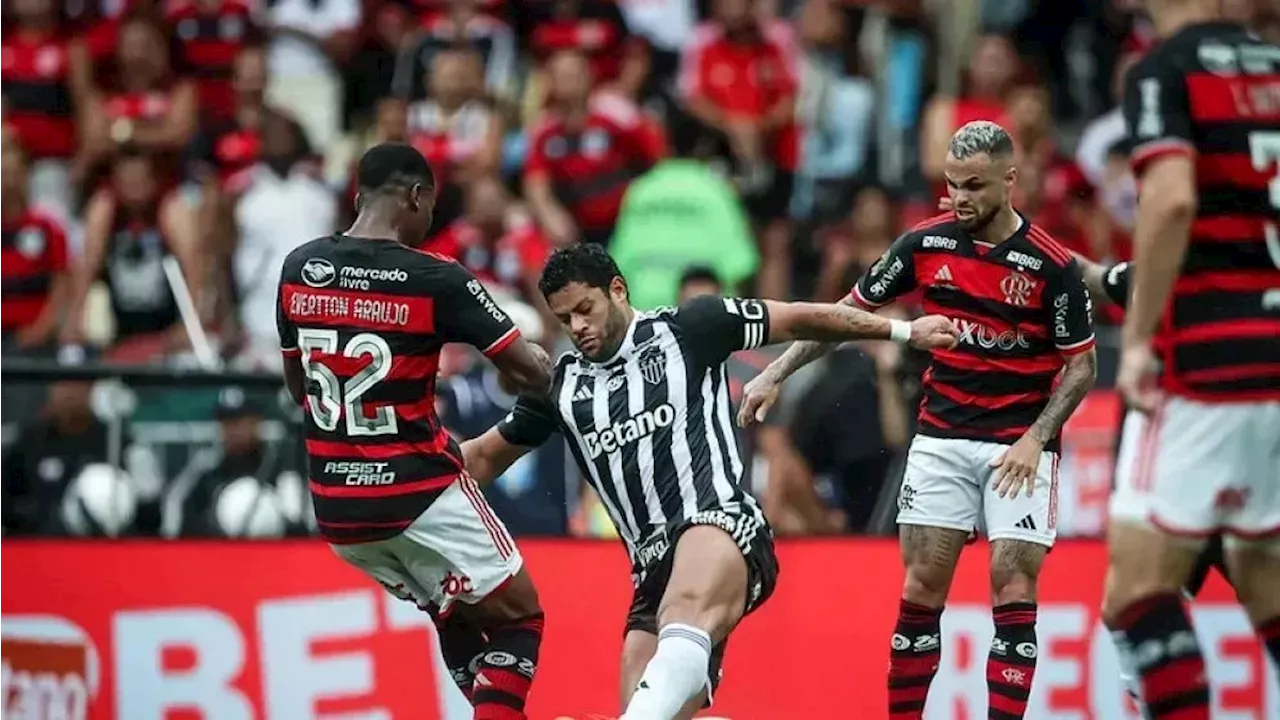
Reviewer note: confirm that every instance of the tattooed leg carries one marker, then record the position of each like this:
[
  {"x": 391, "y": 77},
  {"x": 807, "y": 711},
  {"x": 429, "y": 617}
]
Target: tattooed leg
[
  {"x": 930, "y": 555},
  {"x": 1011, "y": 663},
  {"x": 1015, "y": 569}
]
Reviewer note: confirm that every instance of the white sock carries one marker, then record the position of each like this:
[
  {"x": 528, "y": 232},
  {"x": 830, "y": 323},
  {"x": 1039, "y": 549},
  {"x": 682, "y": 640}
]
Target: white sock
[
  {"x": 674, "y": 676},
  {"x": 1128, "y": 670}
]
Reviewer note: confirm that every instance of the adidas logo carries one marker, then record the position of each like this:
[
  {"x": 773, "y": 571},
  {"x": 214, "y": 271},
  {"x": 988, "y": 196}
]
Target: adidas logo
[
  {"x": 943, "y": 275},
  {"x": 584, "y": 393},
  {"x": 1026, "y": 523}
]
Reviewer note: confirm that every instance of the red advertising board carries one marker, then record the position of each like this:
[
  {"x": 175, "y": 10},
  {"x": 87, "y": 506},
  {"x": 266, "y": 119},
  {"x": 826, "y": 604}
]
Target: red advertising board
[{"x": 285, "y": 631}]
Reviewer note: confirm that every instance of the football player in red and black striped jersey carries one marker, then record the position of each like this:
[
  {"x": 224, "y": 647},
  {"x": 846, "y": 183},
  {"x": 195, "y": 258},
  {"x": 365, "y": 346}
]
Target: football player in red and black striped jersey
[
  {"x": 1204, "y": 124},
  {"x": 362, "y": 317},
  {"x": 986, "y": 450}
]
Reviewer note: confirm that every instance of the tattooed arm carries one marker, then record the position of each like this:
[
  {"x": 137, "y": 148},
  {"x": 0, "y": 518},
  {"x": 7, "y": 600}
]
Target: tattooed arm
[
  {"x": 818, "y": 327},
  {"x": 1077, "y": 380},
  {"x": 822, "y": 322}
]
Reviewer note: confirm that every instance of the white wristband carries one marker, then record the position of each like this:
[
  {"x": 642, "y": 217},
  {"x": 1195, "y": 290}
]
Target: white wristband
[{"x": 900, "y": 331}]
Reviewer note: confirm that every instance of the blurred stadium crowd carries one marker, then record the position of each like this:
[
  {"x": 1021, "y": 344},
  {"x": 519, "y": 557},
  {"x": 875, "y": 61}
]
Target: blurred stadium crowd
[{"x": 161, "y": 157}]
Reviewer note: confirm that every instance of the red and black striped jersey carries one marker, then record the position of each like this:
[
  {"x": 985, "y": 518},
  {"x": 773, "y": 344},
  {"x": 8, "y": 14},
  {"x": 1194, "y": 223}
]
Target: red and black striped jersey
[
  {"x": 368, "y": 318},
  {"x": 34, "y": 251},
  {"x": 208, "y": 40},
  {"x": 1020, "y": 307},
  {"x": 1212, "y": 91},
  {"x": 37, "y": 97}
]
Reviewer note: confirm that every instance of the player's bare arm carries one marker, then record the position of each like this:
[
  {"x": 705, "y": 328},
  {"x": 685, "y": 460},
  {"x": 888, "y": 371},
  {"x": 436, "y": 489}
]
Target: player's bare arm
[
  {"x": 761, "y": 392},
  {"x": 1166, "y": 208},
  {"x": 1019, "y": 463},
  {"x": 834, "y": 322},
  {"x": 1095, "y": 276},
  {"x": 487, "y": 457},
  {"x": 295, "y": 378},
  {"x": 525, "y": 368}
]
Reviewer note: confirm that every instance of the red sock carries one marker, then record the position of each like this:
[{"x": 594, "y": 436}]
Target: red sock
[
  {"x": 1167, "y": 657},
  {"x": 1011, "y": 661},
  {"x": 506, "y": 670},
  {"x": 914, "y": 655}
]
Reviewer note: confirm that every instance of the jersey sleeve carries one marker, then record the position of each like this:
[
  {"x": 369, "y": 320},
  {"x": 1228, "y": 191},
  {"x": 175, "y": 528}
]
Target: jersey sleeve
[
  {"x": 466, "y": 313},
  {"x": 1157, "y": 111},
  {"x": 891, "y": 277},
  {"x": 287, "y": 330},
  {"x": 715, "y": 327},
  {"x": 1115, "y": 283},
  {"x": 531, "y": 422},
  {"x": 1072, "y": 311}
]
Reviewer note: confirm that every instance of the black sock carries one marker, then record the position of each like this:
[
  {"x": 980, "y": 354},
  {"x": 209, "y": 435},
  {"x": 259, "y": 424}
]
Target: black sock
[
  {"x": 1167, "y": 657},
  {"x": 1011, "y": 661},
  {"x": 461, "y": 643},
  {"x": 1269, "y": 632},
  {"x": 506, "y": 670},
  {"x": 914, "y": 656}
]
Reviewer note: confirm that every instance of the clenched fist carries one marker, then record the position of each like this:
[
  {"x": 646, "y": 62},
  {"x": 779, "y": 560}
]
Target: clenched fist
[{"x": 933, "y": 332}]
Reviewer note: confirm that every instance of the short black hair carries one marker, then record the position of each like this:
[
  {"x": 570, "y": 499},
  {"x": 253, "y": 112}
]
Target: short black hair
[
  {"x": 587, "y": 263},
  {"x": 699, "y": 273},
  {"x": 393, "y": 165}
]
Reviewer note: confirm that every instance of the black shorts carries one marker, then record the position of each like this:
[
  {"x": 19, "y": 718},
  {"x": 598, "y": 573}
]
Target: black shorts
[
  {"x": 754, "y": 538},
  {"x": 773, "y": 201}
]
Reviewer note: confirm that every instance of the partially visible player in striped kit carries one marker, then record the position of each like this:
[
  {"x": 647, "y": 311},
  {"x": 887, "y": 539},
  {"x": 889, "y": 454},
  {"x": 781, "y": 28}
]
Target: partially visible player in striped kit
[
  {"x": 1205, "y": 131},
  {"x": 1110, "y": 283},
  {"x": 644, "y": 405}
]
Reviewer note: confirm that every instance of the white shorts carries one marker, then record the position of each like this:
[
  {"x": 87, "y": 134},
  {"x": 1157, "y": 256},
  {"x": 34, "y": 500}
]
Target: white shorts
[
  {"x": 457, "y": 550},
  {"x": 1197, "y": 468},
  {"x": 949, "y": 484}
]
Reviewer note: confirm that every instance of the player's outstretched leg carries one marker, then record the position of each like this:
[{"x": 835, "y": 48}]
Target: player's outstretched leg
[
  {"x": 462, "y": 642},
  {"x": 930, "y": 555},
  {"x": 512, "y": 620},
  {"x": 1011, "y": 661},
  {"x": 1255, "y": 571},
  {"x": 1145, "y": 607},
  {"x": 705, "y": 598}
]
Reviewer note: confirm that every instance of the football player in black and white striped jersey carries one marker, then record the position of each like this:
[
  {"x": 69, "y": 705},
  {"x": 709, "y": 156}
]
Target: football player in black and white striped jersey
[{"x": 644, "y": 405}]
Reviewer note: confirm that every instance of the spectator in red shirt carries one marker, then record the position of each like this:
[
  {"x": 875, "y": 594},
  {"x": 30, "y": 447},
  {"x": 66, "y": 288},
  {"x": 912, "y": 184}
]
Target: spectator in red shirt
[
  {"x": 226, "y": 150},
  {"x": 147, "y": 104},
  {"x": 34, "y": 265},
  {"x": 463, "y": 23},
  {"x": 993, "y": 67},
  {"x": 1056, "y": 194},
  {"x": 47, "y": 79},
  {"x": 497, "y": 242},
  {"x": 455, "y": 128},
  {"x": 210, "y": 35},
  {"x": 596, "y": 28},
  {"x": 583, "y": 154},
  {"x": 739, "y": 79}
]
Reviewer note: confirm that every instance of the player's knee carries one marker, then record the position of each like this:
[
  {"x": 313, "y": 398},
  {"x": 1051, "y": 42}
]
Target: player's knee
[
  {"x": 1011, "y": 586},
  {"x": 926, "y": 585},
  {"x": 695, "y": 606},
  {"x": 1015, "y": 571},
  {"x": 513, "y": 602}
]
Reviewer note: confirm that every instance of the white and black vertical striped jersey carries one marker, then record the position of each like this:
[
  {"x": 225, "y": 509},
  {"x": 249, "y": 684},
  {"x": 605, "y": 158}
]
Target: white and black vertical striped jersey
[{"x": 652, "y": 427}]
